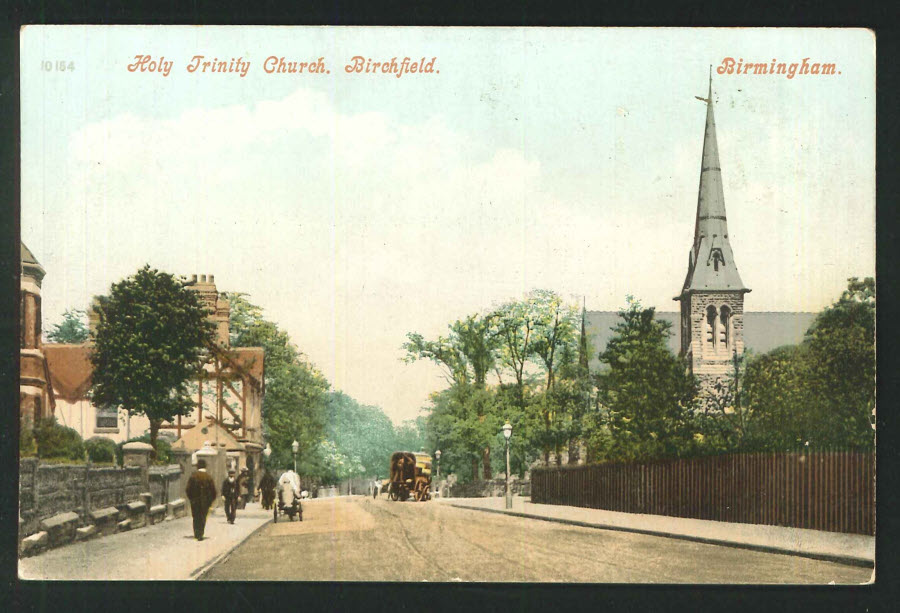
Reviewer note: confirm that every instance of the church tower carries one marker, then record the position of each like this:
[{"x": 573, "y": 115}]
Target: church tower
[{"x": 712, "y": 299}]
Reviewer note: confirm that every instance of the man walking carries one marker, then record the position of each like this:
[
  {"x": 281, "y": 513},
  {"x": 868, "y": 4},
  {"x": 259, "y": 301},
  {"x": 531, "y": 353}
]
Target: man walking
[
  {"x": 230, "y": 494},
  {"x": 201, "y": 491}
]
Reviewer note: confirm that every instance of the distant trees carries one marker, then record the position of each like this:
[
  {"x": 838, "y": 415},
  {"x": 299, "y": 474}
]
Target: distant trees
[
  {"x": 151, "y": 335},
  {"x": 72, "y": 329},
  {"x": 338, "y": 437}
]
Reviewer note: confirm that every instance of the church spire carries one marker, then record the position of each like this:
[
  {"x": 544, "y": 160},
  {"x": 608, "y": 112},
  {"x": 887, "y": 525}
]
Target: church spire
[{"x": 711, "y": 264}]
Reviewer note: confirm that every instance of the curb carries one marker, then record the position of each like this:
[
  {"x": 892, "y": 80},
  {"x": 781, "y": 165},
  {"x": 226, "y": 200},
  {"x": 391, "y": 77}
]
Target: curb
[
  {"x": 826, "y": 557},
  {"x": 201, "y": 572}
]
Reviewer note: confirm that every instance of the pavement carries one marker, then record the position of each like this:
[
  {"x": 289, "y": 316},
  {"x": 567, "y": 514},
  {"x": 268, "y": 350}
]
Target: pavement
[
  {"x": 167, "y": 550},
  {"x": 853, "y": 549}
]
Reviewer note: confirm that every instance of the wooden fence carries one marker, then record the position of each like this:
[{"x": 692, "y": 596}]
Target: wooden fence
[{"x": 832, "y": 491}]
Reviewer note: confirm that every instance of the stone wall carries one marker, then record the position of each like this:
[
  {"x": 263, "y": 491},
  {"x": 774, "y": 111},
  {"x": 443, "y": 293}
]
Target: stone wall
[
  {"x": 486, "y": 489},
  {"x": 167, "y": 483},
  {"x": 46, "y": 490}
]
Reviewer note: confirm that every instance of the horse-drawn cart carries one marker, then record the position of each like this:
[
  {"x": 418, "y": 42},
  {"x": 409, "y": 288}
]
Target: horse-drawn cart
[{"x": 410, "y": 474}]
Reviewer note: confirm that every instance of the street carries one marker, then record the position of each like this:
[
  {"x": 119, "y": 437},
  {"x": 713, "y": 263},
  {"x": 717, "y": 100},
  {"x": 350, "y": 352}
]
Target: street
[{"x": 361, "y": 539}]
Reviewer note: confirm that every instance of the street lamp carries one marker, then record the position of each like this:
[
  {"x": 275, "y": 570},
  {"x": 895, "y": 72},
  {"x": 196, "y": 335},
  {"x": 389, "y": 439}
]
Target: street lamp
[
  {"x": 507, "y": 432},
  {"x": 295, "y": 447},
  {"x": 437, "y": 455}
]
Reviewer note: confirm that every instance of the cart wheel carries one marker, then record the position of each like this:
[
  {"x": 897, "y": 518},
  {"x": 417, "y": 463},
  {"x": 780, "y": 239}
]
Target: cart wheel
[{"x": 392, "y": 494}]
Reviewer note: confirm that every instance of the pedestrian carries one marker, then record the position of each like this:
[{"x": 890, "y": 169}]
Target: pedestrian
[
  {"x": 244, "y": 487},
  {"x": 267, "y": 489},
  {"x": 230, "y": 491},
  {"x": 375, "y": 487},
  {"x": 201, "y": 491}
]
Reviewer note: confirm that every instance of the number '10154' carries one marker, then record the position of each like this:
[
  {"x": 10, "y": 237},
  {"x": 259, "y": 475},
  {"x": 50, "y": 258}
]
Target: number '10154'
[{"x": 59, "y": 65}]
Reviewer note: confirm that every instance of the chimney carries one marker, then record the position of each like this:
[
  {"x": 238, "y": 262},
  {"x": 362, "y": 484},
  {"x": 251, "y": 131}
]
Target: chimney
[
  {"x": 212, "y": 278},
  {"x": 193, "y": 278},
  {"x": 202, "y": 278}
]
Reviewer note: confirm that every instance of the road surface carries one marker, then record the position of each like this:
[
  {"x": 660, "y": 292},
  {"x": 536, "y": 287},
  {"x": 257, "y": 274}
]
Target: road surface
[{"x": 361, "y": 539}]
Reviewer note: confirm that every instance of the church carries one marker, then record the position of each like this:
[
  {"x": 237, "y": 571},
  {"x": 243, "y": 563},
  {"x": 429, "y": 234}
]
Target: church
[{"x": 712, "y": 324}]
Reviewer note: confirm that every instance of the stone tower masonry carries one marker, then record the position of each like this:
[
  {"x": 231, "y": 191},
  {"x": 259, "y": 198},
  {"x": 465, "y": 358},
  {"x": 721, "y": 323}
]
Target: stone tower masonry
[{"x": 712, "y": 298}]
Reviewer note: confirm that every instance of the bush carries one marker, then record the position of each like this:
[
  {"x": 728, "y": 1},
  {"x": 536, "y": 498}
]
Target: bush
[
  {"x": 27, "y": 446},
  {"x": 56, "y": 441},
  {"x": 163, "y": 448},
  {"x": 101, "y": 449}
]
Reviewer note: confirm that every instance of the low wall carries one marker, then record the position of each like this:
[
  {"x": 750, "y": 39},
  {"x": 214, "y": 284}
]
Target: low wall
[
  {"x": 167, "y": 483},
  {"x": 486, "y": 489},
  {"x": 46, "y": 490}
]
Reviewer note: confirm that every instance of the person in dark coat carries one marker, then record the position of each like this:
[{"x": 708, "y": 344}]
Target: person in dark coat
[
  {"x": 201, "y": 491},
  {"x": 244, "y": 486},
  {"x": 230, "y": 493},
  {"x": 267, "y": 490}
]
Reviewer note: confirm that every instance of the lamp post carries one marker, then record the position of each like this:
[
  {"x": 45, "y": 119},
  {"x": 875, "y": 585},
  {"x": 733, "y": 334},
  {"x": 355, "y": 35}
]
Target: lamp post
[
  {"x": 507, "y": 432},
  {"x": 437, "y": 457},
  {"x": 295, "y": 447}
]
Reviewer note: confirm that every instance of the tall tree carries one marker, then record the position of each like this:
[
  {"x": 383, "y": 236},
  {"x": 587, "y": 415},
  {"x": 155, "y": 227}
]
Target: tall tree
[
  {"x": 645, "y": 389},
  {"x": 71, "y": 329},
  {"x": 296, "y": 392},
  {"x": 151, "y": 336}
]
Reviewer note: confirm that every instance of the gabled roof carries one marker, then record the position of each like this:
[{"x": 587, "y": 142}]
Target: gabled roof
[
  {"x": 711, "y": 265},
  {"x": 208, "y": 430},
  {"x": 70, "y": 370}
]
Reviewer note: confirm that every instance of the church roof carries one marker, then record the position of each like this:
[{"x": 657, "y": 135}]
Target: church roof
[
  {"x": 711, "y": 265},
  {"x": 763, "y": 331}
]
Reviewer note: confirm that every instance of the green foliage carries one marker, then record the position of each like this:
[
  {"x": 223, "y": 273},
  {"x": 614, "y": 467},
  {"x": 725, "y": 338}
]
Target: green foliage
[
  {"x": 56, "y": 441},
  {"x": 646, "y": 392},
  {"x": 27, "y": 444},
  {"x": 100, "y": 449},
  {"x": 149, "y": 344},
  {"x": 72, "y": 329},
  {"x": 294, "y": 406},
  {"x": 163, "y": 449},
  {"x": 820, "y": 393}
]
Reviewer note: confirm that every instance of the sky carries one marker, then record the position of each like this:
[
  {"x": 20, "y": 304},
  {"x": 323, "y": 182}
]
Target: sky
[{"x": 358, "y": 207}]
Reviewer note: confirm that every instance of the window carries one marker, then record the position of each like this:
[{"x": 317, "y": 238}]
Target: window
[
  {"x": 711, "y": 317},
  {"x": 725, "y": 328},
  {"x": 107, "y": 419}
]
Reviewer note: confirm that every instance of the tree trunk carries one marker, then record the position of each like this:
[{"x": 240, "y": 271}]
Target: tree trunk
[
  {"x": 154, "y": 434},
  {"x": 486, "y": 461},
  {"x": 474, "y": 469}
]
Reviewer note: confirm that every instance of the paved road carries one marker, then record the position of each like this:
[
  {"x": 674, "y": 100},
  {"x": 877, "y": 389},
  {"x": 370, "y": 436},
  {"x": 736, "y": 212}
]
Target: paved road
[{"x": 360, "y": 539}]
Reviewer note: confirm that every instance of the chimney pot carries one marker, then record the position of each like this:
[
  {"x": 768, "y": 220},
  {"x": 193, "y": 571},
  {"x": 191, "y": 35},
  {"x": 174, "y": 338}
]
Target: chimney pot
[
  {"x": 202, "y": 278},
  {"x": 194, "y": 278},
  {"x": 212, "y": 278}
]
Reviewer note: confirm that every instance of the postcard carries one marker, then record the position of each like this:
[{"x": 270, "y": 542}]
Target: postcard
[{"x": 508, "y": 304}]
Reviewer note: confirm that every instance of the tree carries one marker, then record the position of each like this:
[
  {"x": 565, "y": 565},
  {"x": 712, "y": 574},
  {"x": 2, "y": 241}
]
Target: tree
[
  {"x": 296, "y": 392},
  {"x": 466, "y": 354},
  {"x": 820, "y": 393},
  {"x": 646, "y": 391},
  {"x": 554, "y": 331},
  {"x": 72, "y": 329},
  {"x": 149, "y": 343}
]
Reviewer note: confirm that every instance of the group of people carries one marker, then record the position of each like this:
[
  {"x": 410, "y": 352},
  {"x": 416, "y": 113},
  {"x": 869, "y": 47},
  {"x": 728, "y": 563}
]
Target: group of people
[{"x": 201, "y": 492}]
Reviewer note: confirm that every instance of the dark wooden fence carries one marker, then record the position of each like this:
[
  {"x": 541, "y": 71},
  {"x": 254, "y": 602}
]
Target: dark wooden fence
[{"x": 833, "y": 491}]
